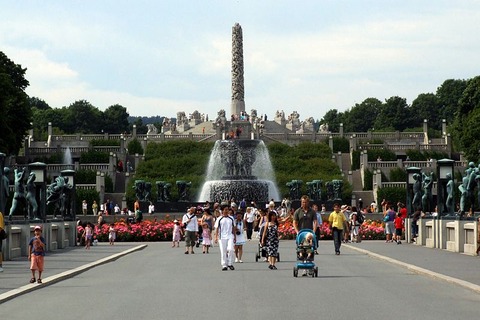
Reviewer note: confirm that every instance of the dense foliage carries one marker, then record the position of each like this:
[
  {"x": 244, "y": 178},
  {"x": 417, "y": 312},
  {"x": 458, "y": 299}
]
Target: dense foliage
[
  {"x": 186, "y": 160},
  {"x": 15, "y": 111},
  {"x": 392, "y": 194}
]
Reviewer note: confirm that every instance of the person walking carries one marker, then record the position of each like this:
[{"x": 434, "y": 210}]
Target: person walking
[
  {"x": 36, "y": 254},
  {"x": 388, "y": 217},
  {"x": 355, "y": 226},
  {"x": 305, "y": 217},
  {"x": 270, "y": 239},
  {"x": 319, "y": 225},
  {"x": 206, "y": 237},
  {"x": 3, "y": 235},
  {"x": 190, "y": 224},
  {"x": 240, "y": 237},
  {"x": 95, "y": 207},
  {"x": 84, "y": 207},
  {"x": 225, "y": 237},
  {"x": 337, "y": 223},
  {"x": 176, "y": 233},
  {"x": 249, "y": 219}
]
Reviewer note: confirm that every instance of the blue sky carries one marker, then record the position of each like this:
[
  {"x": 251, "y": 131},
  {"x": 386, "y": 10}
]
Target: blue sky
[{"x": 161, "y": 57}]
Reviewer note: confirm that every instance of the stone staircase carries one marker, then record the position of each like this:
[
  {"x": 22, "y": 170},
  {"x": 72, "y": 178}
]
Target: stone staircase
[{"x": 357, "y": 183}]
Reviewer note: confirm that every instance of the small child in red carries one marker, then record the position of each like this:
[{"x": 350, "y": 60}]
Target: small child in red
[{"x": 398, "y": 223}]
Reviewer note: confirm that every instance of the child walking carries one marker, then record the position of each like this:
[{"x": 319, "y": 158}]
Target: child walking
[
  {"x": 36, "y": 254},
  {"x": 398, "y": 222},
  {"x": 177, "y": 233},
  {"x": 207, "y": 237},
  {"x": 88, "y": 234},
  {"x": 112, "y": 234}
]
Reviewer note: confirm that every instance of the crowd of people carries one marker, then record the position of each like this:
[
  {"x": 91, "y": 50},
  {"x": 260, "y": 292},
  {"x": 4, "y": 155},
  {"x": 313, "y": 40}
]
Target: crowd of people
[{"x": 230, "y": 226}]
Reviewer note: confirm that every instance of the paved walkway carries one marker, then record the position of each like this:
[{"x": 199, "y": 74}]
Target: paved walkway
[
  {"x": 454, "y": 267},
  {"x": 444, "y": 265},
  {"x": 61, "y": 264}
]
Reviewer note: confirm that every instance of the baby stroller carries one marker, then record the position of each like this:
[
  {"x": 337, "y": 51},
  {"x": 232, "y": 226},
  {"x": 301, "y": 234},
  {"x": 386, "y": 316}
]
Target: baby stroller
[
  {"x": 262, "y": 252},
  {"x": 306, "y": 245}
]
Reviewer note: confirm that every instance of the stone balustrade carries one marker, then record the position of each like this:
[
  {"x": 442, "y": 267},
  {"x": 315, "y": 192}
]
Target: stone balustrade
[
  {"x": 452, "y": 235},
  {"x": 58, "y": 235}
]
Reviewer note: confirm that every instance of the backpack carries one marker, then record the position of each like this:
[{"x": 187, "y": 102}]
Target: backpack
[{"x": 360, "y": 218}]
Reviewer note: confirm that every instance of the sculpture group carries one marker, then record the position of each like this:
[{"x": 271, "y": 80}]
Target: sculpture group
[
  {"x": 333, "y": 188},
  {"x": 26, "y": 196}
]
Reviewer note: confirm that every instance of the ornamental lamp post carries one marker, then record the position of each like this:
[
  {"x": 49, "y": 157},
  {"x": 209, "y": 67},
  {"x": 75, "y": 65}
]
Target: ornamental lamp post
[
  {"x": 39, "y": 169},
  {"x": 70, "y": 194},
  {"x": 445, "y": 187},
  {"x": 410, "y": 182}
]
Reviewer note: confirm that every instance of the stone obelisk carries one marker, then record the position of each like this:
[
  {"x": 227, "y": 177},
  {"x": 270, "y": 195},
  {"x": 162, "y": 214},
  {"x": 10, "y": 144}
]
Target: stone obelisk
[{"x": 238, "y": 89}]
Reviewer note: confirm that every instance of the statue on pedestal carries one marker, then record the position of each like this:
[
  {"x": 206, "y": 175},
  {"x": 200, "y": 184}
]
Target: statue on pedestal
[
  {"x": 183, "y": 188},
  {"x": 160, "y": 185},
  {"x": 57, "y": 193},
  {"x": 427, "y": 198},
  {"x": 31, "y": 197},
  {"x": 19, "y": 195},
  {"x": 6, "y": 192},
  {"x": 417, "y": 192},
  {"x": 450, "y": 201},
  {"x": 337, "y": 189},
  {"x": 148, "y": 191}
]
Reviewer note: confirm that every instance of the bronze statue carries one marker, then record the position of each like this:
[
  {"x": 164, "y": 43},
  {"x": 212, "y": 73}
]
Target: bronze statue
[
  {"x": 19, "y": 195},
  {"x": 32, "y": 197}
]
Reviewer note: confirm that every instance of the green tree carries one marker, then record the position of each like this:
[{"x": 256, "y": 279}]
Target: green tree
[
  {"x": 466, "y": 122},
  {"x": 134, "y": 147},
  {"x": 393, "y": 115},
  {"x": 362, "y": 116},
  {"x": 333, "y": 118},
  {"x": 115, "y": 119},
  {"x": 449, "y": 94},
  {"x": 38, "y": 103},
  {"x": 15, "y": 111},
  {"x": 82, "y": 117},
  {"x": 426, "y": 106}
]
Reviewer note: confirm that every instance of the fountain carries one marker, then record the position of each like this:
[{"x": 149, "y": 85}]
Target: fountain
[
  {"x": 67, "y": 156},
  {"x": 239, "y": 169}
]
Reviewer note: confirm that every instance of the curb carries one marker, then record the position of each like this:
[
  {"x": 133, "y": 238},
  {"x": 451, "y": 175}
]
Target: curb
[
  {"x": 419, "y": 270},
  {"x": 66, "y": 274}
]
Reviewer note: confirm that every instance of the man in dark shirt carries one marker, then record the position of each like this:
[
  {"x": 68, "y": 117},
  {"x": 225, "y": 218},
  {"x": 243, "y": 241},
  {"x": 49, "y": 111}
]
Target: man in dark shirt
[{"x": 304, "y": 217}]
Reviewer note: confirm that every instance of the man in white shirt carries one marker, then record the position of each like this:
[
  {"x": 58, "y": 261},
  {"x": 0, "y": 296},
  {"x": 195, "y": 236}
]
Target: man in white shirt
[
  {"x": 190, "y": 223},
  {"x": 225, "y": 237}
]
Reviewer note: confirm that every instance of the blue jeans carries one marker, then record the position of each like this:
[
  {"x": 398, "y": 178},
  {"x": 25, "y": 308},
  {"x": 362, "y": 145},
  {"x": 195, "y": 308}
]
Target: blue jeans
[
  {"x": 337, "y": 238},
  {"x": 414, "y": 229}
]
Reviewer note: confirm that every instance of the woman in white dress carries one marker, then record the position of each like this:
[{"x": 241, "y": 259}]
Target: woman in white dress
[{"x": 240, "y": 237}]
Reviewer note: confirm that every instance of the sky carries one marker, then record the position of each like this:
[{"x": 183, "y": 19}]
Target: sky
[{"x": 161, "y": 57}]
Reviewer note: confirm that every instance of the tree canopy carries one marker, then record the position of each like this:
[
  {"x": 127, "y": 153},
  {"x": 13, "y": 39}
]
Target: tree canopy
[{"x": 15, "y": 112}]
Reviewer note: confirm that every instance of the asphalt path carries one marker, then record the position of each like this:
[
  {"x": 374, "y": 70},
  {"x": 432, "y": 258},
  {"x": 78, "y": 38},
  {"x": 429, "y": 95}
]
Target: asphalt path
[{"x": 160, "y": 282}]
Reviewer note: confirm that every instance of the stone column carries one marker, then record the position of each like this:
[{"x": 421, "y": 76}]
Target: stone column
[{"x": 238, "y": 89}]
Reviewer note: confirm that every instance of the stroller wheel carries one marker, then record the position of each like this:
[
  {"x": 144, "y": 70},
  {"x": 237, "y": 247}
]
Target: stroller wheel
[
  {"x": 295, "y": 272},
  {"x": 316, "y": 272},
  {"x": 257, "y": 257},
  {"x": 278, "y": 256}
]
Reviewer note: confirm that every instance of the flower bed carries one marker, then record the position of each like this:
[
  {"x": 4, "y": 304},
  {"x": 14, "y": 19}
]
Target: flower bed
[{"x": 162, "y": 231}]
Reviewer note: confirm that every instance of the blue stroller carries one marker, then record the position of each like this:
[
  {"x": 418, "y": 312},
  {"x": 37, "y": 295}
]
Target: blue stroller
[{"x": 306, "y": 246}]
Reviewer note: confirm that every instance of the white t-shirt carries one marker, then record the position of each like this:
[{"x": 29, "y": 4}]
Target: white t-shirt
[
  {"x": 249, "y": 216},
  {"x": 151, "y": 208},
  {"x": 225, "y": 227}
]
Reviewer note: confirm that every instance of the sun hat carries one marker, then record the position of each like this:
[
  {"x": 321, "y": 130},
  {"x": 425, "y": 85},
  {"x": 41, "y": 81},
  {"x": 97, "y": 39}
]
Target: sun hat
[
  {"x": 175, "y": 221},
  {"x": 343, "y": 207}
]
